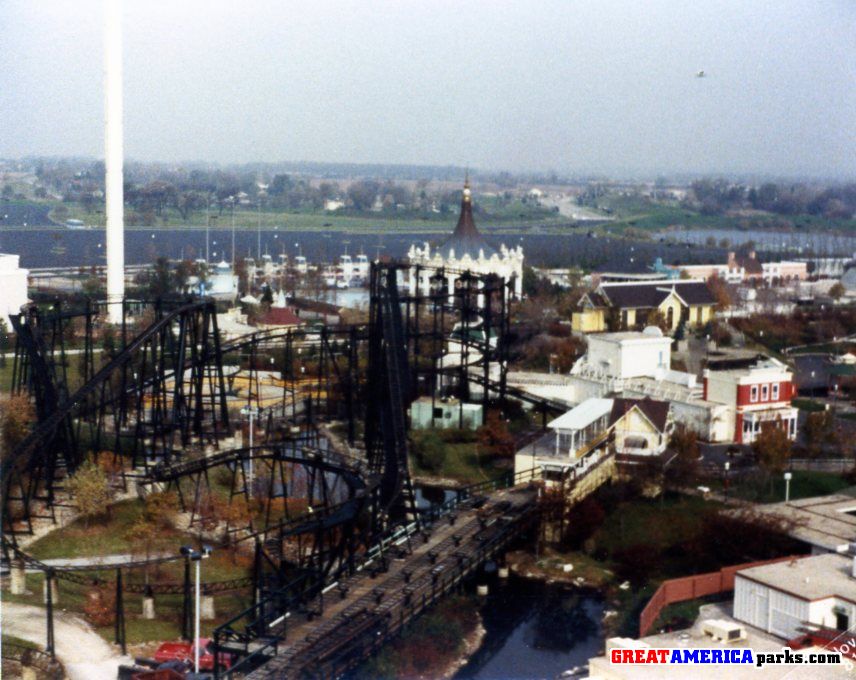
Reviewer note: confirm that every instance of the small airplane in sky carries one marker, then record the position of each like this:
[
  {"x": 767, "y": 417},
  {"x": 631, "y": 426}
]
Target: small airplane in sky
[{"x": 700, "y": 74}]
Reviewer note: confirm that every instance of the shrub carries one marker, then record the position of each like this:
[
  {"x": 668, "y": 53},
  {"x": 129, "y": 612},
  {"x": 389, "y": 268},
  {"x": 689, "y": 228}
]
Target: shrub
[
  {"x": 90, "y": 491},
  {"x": 430, "y": 451}
]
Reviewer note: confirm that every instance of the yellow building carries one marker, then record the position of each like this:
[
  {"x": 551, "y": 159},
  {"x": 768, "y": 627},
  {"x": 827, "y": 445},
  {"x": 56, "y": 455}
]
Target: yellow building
[{"x": 630, "y": 306}]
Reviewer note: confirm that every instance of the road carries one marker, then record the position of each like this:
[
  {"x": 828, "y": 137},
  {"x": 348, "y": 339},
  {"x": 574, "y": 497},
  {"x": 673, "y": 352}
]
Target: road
[{"x": 84, "y": 654}]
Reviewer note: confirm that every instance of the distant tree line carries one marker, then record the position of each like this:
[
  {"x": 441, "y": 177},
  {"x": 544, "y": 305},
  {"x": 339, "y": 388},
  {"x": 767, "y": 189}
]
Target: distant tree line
[{"x": 717, "y": 196}]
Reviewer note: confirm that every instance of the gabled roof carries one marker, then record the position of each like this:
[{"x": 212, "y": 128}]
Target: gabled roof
[
  {"x": 466, "y": 239},
  {"x": 595, "y": 299},
  {"x": 647, "y": 295},
  {"x": 657, "y": 412},
  {"x": 750, "y": 263},
  {"x": 280, "y": 316}
]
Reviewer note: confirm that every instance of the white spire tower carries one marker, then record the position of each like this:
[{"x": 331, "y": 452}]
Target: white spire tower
[{"x": 113, "y": 158}]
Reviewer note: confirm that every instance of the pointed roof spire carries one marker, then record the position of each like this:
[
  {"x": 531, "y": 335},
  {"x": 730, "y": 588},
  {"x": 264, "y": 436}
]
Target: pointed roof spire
[
  {"x": 467, "y": 238},
  {"x": 466, "y": 225}
]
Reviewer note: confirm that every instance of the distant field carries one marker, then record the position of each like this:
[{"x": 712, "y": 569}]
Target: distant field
[
  {"x": 494, "y": 215},
  {"x": 636, "y": 212},
  {"x": 629, "y": 214}
]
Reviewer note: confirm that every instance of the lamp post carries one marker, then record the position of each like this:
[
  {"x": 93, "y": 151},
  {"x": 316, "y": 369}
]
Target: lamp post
[
  {"x": 252, "y": 412},
  {"x": 196, "y": 556},
  {"x": 788, "y": 477},
  {"x": 232, "y": 203},
  {"x": 727, "y": 468}
]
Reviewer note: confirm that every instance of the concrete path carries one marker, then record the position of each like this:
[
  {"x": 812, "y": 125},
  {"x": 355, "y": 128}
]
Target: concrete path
[
  {"x": 84, "y": 654},
  {"x": 94, "y": 561}
]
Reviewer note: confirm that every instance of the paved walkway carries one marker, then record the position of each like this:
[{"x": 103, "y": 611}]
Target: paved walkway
[
  {"x": 84, "y": 654},
  {"x": 94, "y": 561}
]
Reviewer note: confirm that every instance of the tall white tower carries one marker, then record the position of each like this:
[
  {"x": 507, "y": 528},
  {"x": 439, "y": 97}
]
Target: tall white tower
[{"x": 113, "y": 158}]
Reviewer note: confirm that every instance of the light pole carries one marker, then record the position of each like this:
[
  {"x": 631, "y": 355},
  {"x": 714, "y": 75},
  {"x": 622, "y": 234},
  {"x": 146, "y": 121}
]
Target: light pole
[
  {"x": 261, "y": 195},
  {"x": 232, "y": 203},
  {"x": 196, "y": 556},
  {"x": 207, "y": 224},
  {"x": 727, "y": 468},
  {"x": 252, "y": 412},
  {"x": 788, "y": 477}
]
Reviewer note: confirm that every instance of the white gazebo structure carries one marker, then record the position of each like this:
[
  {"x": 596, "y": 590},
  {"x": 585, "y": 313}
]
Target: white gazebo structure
[{"x": 578, "y": 429}]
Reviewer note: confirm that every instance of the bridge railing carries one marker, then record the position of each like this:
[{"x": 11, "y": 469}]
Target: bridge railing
[
  {"x": 465, "y": 493},
  {"x": 29, "y": 657},
  {"x": 263, "y": 623}
]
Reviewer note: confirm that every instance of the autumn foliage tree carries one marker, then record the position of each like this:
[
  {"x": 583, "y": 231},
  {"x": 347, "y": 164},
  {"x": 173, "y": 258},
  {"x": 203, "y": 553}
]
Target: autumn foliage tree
[
  {"x": 16, "y": 417},
  {"x": 719, "y": 289},
  {"x": 494, "y": 437},
  {"x": 683, "y": 469},
  {"x": 100, "y": 606},
  {"x": 772, "y": 447},
  {"x": 90, "y": 491},
  {"x": 819, "y": 430}
]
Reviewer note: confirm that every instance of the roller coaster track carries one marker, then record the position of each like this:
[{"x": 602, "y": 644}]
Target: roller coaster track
[
  {"x": 39, "y": 453},
  {"x": 355, "y": 510}
]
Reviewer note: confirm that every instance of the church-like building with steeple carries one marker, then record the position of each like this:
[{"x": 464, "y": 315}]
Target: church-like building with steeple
[{"x": 467, "y": 250}]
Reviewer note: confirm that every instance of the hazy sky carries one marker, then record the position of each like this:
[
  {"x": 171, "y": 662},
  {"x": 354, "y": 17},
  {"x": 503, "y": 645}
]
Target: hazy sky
[{"x": 573, "y": 86}]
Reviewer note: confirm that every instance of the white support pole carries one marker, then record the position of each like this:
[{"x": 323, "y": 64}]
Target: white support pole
[
  {"x": 251, "y": 450},
  {"x": 113, "y": 158},
  {"x": 196, "y": 639}
]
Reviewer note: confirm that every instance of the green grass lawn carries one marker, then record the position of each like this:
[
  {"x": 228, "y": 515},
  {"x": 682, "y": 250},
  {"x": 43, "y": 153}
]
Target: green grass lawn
[
  {"x": 825, "y": 348},
  {"x": 496, "y": 213},
  {"x": 683, "y": 614},
  {"x": 656, "y": 522},
  {"x": 21, "y": 642},
  {"x": 6, "y": 375},
  {"x": 463, "y": 464},
  {"x": 465, "y": 460},
  {"x": 808, "y": 405},
  {"x": 78, "y": 539},
  {"x": 73, "y": 597},
  {"x": 804, "y": 484},
  {"x": 660, "y": 524},
  {"x": 108, "y": 537},
  {"x": 640, "y": 213}
]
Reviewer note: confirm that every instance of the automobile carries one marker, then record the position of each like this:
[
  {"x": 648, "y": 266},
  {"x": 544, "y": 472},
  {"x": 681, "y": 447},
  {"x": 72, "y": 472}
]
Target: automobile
[{"x": 184, "y": 651}]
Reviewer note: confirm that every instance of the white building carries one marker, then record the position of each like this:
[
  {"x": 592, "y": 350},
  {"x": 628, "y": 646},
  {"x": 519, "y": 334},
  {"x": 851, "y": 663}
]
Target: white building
[
  {"x": 628, "y": 354},
  {"x": 13, "y": 284},
  {"x": 222, "y": 283},
  {"x": 783, "y": 597},
  {"x": 635, "y": 365},
  {"x": 466, "y": 250},
  {"x": 635, "y": 429}
]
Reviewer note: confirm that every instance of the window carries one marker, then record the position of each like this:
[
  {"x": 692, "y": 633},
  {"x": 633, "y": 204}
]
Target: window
[
  {"x": 438, "y": 413},
  {"x": 765, "y": 392},
  {"x": 776, "y": 392},
  {"x": 753, "y": 393}
]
